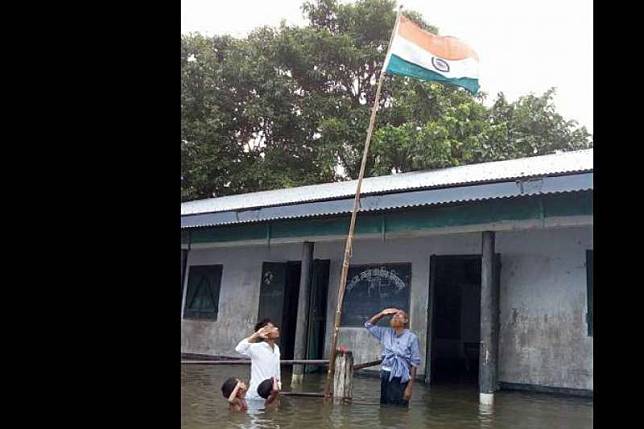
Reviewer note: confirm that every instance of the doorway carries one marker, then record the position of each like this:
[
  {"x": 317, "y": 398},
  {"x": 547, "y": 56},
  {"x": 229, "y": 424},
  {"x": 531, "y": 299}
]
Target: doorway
[
  {"x": 278, "y": 300},
  {"x": 317, "y": 315},
  {"x": 279, "y": 290},
  {"x": 454, "y": 331}
]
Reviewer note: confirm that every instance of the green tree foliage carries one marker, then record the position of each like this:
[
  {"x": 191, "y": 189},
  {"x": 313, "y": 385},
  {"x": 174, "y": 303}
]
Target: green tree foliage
[{"x": 288, "y": 106}]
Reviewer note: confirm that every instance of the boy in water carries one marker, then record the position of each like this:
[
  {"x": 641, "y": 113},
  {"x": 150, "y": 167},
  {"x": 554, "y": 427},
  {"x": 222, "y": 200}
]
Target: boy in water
[
  {"x": 269, "y": 390},
  {"x": 234, "y": 390}
]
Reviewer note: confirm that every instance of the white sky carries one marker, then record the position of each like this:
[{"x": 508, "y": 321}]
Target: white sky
[{"x": 523, "y": 46}]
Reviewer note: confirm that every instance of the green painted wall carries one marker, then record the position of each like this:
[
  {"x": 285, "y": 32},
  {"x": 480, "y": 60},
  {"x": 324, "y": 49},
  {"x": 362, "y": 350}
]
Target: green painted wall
[{"x": 405, "y": 220}]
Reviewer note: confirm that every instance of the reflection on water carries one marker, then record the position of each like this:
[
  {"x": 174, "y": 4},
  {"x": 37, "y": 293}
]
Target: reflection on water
[{"x": 203, "y": 406}]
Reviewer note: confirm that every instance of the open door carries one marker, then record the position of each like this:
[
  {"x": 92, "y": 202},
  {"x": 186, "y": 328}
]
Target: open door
[
  {"x": 453, "y": 317},
  {"x": 317, "y": 314},
  {"x": 271, "y": 292},
  {"x": 279, "y": 289}
]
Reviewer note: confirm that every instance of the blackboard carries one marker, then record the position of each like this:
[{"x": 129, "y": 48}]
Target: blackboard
[{"x": 372, "y": 288}]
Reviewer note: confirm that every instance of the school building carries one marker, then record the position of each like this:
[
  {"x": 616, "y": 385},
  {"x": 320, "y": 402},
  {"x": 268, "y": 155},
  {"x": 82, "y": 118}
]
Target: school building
[{"x": 492, "y": 262}]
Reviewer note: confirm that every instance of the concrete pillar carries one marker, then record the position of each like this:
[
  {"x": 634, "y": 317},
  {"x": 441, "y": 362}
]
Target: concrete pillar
[
  {"x": 489, "y": 322},
  {"x": 304, "y": 298}
]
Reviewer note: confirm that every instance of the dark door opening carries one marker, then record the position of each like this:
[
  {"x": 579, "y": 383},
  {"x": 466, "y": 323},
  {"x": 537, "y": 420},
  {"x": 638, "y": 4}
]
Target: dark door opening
[
  {"x": 317, "y": 314},
  {"x": 454, "y": 318},
  {"x": 278, "y": 296}
]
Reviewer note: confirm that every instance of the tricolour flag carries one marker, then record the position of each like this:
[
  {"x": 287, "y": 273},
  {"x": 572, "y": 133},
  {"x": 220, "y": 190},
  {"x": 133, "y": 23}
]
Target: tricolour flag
[{"x": 417, "y": 53}]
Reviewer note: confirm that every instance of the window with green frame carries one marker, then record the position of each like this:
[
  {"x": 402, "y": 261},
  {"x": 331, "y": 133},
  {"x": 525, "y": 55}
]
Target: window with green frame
[
  {"x": 589, "y": 291},
  {"x": 202, "y": 295}
]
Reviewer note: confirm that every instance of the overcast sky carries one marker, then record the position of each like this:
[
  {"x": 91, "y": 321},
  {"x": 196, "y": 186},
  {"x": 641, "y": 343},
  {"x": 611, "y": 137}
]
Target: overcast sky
[{"x": 523, "y": 46}]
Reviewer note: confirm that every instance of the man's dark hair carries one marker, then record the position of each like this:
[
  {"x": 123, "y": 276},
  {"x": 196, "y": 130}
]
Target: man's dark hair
[
  {"x": 265, "y": 388},
  {"x": 228, "y": 387},
  {"x": 263, "y": 323}
]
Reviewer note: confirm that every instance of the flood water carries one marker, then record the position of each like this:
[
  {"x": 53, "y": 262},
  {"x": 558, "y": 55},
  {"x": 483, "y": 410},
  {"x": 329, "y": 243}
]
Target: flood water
[{"x": 445, "y": 406}]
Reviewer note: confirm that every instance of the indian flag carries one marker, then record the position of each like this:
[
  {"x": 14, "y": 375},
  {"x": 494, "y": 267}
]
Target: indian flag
[{"x": 417, "y": 53}]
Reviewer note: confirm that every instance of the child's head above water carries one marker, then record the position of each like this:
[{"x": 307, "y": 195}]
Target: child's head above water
[
  {"x": 265, "y": 388},
  {"x": 230, "y": 384}
]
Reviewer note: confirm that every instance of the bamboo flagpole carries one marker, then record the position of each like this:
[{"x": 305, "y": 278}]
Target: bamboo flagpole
[{"x": 356, "y": 204}]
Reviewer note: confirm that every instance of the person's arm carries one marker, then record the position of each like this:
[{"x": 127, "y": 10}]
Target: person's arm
[
  {"x": 410, "y": 384},
  {"x": 415, "y": 362},
  {"x": 232, "y": 399},
  {"x": 386, "y": 312},
  {"x": 378, "y": 331},
  {"x": 274, "y": 393},
  {"x": 244, "y": 345}
]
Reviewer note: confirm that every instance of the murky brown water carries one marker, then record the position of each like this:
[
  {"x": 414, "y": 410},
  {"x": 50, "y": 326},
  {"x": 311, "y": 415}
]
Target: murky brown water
[{"x": 202, "y": 406}]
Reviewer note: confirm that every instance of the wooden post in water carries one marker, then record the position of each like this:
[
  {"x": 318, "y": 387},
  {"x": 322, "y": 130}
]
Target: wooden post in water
[{"x": 343, "y": 377}]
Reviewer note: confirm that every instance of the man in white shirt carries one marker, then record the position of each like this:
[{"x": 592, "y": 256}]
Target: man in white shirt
[{"x": 264, "y": 355}]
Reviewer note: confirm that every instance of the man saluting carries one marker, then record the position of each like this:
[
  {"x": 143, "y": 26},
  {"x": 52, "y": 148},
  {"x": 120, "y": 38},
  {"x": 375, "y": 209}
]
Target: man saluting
[
  {"x": 400, "y": 356},
  {"x": 260, "y": 347}
]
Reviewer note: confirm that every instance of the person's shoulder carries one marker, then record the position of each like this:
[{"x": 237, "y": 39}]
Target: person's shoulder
[
  {"x": 412, "y": 335},
  {"x": 236, "y": 405},
  {"x": 383, "y": 330}
]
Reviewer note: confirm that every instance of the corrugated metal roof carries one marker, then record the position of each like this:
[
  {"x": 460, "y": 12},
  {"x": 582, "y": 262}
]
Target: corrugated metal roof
[
  {"x": 479, "y": 192},
  {"x": 547, "y": 165}
]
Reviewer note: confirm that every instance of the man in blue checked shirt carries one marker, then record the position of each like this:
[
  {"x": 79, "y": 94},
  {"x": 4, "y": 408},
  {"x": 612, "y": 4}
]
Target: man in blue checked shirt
[{"x": 400, "y": 356}]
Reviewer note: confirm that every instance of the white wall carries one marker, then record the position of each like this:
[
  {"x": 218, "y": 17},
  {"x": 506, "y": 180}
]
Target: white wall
[
  {"x": 542, "y": 302},
  {"x": 238, "y": 298},
  {"x": 543, "y": 332}
]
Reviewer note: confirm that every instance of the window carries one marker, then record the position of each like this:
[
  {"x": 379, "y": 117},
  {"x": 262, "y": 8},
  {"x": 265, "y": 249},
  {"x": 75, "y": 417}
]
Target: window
[
  {"x": 202, "y": 296},
  {"x": 372, "y": 288},
  {"x": 589, "y": 290}
]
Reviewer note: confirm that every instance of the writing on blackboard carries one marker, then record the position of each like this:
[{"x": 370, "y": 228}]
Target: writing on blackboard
[
  {"x": 370, "y": 288},
  {"x": 268, "y": 278},
  {"x": 377, "y": 278}
]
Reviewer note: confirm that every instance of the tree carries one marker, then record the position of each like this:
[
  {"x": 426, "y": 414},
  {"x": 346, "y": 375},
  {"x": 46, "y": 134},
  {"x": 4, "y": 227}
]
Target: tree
[{"x": 290, "y": 106}]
